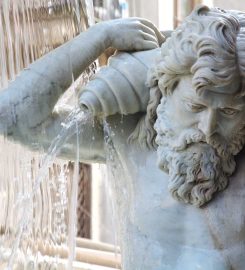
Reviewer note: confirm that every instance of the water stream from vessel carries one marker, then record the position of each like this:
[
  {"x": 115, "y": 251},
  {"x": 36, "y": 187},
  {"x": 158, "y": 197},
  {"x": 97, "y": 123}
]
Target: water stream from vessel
[{"x": 33, "y": 186}]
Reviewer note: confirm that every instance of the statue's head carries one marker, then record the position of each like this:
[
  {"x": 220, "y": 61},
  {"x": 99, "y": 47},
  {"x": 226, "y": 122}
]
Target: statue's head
[{"x": 200, "y": 120}]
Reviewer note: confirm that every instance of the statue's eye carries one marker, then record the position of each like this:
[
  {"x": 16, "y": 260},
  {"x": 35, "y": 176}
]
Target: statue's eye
[
  {"x": 229, "y": 111},
  {"x": 195, "y": 107}
]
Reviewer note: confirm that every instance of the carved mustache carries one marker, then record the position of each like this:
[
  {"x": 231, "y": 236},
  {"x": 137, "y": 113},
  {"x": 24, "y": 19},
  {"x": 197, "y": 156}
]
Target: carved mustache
[
  {"x": 193, "y": 135},
  {"x": 188, "y": 137}
]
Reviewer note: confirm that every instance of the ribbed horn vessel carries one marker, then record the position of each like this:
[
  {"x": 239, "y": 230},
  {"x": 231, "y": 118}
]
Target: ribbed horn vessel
[{"x": 120, "y": 86}]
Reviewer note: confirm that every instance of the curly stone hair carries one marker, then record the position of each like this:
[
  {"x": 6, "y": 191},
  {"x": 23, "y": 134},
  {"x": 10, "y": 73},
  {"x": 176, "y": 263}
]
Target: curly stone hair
[{"x": 210, "y": 45}]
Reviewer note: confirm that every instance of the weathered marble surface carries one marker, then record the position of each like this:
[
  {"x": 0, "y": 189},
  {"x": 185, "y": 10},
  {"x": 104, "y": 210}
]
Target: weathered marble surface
[{"x": 171, "y": 217}]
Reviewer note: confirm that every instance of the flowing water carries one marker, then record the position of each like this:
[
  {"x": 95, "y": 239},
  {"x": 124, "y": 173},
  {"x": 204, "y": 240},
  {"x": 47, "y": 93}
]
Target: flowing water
[
  {"x": 31, "y": 28},
  {"x": 35, "y": 224},
  {"x": 35, "y": 188},
  {"x": 118, "y": 183},
  {"x": 72, "y": 125},
  {"x": 38, "y": 192}
]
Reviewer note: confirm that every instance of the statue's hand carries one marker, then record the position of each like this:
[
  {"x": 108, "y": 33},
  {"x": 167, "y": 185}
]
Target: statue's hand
[{"x": 133, "y": 34}]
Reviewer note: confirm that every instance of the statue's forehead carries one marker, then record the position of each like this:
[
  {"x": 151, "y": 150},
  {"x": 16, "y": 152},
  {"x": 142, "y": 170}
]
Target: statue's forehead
[
  {"x": 218, "y": 96},
  {"x": 229, "y": 88}
]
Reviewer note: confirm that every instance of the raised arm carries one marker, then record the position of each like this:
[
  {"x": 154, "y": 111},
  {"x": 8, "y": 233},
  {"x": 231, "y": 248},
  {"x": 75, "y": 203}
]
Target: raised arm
[{"x": 28, "y": 102}]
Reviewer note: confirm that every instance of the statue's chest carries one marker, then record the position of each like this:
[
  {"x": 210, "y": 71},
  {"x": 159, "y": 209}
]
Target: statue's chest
[
  {"x": 226, "y": 213},
  {"x": 220, "y": 224},
  {"x": 212, "y": 235}
]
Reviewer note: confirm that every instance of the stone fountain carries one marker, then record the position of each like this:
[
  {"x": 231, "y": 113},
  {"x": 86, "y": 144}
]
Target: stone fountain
[{"x": 169, "y": 122}]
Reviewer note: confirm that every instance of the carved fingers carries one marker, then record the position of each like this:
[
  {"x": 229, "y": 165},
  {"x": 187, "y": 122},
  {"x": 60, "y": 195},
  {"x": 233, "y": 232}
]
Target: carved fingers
[
  {"x": 133, "y": 34},
  {"x": 153, "y": 31}
]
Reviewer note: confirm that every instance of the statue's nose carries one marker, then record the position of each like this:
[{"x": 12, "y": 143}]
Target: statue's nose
[{"x": 208, "y": 122}]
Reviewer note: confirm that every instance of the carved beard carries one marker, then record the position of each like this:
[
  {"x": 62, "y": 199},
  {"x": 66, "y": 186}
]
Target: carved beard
[{"x": 197, "y": 167}]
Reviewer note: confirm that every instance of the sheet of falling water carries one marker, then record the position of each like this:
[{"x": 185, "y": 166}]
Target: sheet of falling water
[{"x": 28, "y": 30}]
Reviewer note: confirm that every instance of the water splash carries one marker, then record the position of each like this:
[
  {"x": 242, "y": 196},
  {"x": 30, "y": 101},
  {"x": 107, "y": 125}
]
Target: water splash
[
  {"x": 72, "y": 125},
  {"x": 118, "y": 181},
  {"x": 73, "y": 207},
  {"x": 28, "y": 30}
]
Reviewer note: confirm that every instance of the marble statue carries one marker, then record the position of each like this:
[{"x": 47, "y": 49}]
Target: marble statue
[{"x": 177, "y": 117}]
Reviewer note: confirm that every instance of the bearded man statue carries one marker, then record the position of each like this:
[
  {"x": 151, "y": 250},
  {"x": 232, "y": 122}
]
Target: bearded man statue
[
  {"x": 197, "y": 101},
  {"x": 188, "y": 118}
]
